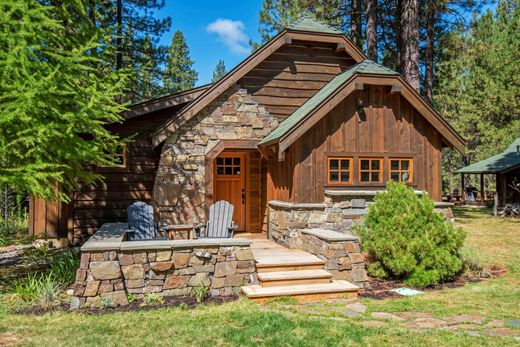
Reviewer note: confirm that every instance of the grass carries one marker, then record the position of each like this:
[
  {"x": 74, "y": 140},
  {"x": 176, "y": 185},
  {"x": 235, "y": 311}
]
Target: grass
[{"x": 283, "y": 322}]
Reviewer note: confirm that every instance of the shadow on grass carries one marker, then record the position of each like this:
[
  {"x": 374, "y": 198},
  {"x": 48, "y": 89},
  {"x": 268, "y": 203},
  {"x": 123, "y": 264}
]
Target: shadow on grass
[{"x": 471, "y": 212}]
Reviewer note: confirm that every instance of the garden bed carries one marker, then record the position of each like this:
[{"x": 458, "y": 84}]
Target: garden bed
[{"x": 187, "y": 302}]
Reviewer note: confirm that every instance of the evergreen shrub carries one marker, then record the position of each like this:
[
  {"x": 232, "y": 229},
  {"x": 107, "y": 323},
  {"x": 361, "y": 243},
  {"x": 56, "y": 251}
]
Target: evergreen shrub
[{"x": 407, "y": 239}]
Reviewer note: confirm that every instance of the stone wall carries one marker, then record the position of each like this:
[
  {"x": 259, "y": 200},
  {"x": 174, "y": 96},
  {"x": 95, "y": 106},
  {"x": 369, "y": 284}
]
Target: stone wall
[
  {"x": 179, "y": 190},
  {"x": 112, "y": 268}
]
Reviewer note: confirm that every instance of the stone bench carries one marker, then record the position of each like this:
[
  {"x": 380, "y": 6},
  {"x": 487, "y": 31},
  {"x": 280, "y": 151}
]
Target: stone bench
[
  {"x": 112, "y": 268},
  {"x": 341, "y": 252}
]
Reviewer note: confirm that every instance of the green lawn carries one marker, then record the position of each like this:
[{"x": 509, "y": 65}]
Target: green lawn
[{"x": 283, "y": 323}]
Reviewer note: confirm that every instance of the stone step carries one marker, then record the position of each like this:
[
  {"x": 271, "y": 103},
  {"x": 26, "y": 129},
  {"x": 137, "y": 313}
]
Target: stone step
[
  {"x": 303, "y": 293},
  {"x": 290, "y": 266},
  {"x": 284, "y": 278}
]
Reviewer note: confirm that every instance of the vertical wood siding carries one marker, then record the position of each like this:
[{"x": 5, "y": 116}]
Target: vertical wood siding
[{"x": 391, "y": 126}]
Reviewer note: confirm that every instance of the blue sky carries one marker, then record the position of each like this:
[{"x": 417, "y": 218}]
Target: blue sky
[
  {"x": 210, "y": 39},
  {"x": 216, "y": 30}
]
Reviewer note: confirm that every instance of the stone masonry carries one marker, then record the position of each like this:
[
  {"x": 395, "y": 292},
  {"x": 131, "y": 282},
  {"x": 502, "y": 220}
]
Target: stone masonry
[
  {"x": 109, "y": 276},
  {"x": 179, "y": 190}
]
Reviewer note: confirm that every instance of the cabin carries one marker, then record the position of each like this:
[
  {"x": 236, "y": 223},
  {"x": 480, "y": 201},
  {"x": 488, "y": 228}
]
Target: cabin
[
  {"x": 300, "y": 135},
  {"x": 505, "y": 169}
]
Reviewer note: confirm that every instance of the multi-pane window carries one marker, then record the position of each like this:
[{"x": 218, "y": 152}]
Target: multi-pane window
[
  {"x": 339, "y": 170},
  {"x": 401, "y": 170},
  {"x": 228, "y": 166},
  {"x": 370, "y": 170}
]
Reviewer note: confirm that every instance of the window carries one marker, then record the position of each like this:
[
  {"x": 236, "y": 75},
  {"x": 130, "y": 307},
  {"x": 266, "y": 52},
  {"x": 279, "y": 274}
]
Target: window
[
  {"x": 120, "y": 157},
  {"x": 401, "y": 170},
  {"x": 228, "y": 166},
  {"x": 339, "y": 171},
  {"x": 371, "y": 170}
]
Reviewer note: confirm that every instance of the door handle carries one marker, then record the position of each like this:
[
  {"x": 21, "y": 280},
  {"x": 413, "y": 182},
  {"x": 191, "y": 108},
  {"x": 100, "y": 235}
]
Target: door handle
[{"x": 243, "y": 196}]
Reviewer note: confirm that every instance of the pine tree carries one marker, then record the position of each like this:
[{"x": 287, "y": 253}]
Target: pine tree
[
  {"x": 148, "y": 73},
  {"x": 179, "y": 74},
  {"x": 58, "y": 90},
  {"x": 219, "y": 72},
  {"x": 134, "y": 26},
  {"x": 409, "y": 42},
  {"x": 479, "y": 92}
]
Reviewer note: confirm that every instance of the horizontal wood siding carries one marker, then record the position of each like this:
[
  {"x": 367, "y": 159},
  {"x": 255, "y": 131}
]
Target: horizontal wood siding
[
  {"x": 389, "y": 127},
  {"x": 106, "y": 201},
  {"x": 293, "y": 74}
]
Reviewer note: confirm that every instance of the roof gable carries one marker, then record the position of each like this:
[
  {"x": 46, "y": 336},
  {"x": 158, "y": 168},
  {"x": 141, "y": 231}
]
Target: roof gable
[
  {"x": 340, "y": 87},
  {"x": 247, "y": 65},
  {"x": 366, "y": 66},
  {"x": 502, "y": 162}
]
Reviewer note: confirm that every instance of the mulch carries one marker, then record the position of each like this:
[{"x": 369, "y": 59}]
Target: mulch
[
  {"x": 187, "y": 301},
  {"x": 381, "y": 288}
]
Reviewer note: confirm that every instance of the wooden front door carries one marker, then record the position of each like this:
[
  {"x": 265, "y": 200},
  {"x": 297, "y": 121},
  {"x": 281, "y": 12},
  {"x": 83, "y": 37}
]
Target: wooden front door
[{"x": 230, "y": 184}]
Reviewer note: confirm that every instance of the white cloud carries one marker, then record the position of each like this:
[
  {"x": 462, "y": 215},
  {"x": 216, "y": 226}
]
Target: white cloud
[{"x": 231, "y": 33}]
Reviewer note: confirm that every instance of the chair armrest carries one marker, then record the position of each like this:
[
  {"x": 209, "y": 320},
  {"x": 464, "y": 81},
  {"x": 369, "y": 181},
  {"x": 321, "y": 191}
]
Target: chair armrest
[
  {"x": 231, "y": 229},
  {"x": 198, "y": 228}
]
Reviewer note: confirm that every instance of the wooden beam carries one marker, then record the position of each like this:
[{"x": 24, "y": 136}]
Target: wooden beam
[
  {"x": 281, "y": 155},
  {"x": 463, "y": 187},
  {"x": 287, "y": 40},
  {"x": 396, "y": 89},
  {"x": 482, "y": 187},
  {"x": 359, "y": 86},
  {"x": 495, "y": 200},
  {"x": 340, "y": 47}
]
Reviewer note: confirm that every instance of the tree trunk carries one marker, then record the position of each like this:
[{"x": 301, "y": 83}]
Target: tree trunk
[
  {"x": 355, "y": 22},
  {"x": 119, "y": 38},
  {"x": 410, "y": 42},
  {"x": 398, "y": 64},
  {"x": 430, "y": 37},
  {"x": 371, "y": 30}
]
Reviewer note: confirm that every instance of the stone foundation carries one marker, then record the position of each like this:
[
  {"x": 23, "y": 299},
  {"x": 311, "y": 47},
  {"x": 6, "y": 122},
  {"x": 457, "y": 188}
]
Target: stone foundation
[{"x": 109, "y": 271}]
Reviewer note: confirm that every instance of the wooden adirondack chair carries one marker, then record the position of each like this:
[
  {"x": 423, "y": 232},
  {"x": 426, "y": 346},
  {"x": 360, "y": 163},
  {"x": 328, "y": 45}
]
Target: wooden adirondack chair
[
  {"x": 141, "y": 223},
  {"x": 220, "y": 222}
]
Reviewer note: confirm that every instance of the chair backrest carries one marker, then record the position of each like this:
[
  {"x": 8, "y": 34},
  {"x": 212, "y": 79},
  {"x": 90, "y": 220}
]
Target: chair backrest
[
  {"x": 140, "y": 220},
  {"x": 220, "y": 219}
]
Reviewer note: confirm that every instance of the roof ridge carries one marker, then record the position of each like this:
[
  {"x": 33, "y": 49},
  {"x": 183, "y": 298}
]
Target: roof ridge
[{"x": 314, "y": 25}]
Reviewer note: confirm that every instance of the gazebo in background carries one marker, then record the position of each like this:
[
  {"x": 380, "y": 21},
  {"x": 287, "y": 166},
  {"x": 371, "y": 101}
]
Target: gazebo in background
[{"x": 506, "y": 168}]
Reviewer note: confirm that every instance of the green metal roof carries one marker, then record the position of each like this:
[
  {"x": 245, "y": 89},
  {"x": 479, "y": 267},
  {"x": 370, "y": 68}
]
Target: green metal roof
[
  {"x": 502, "y": 162},
  {"x": 306, "y": 23},
  {"x": 364, "y": 67}
]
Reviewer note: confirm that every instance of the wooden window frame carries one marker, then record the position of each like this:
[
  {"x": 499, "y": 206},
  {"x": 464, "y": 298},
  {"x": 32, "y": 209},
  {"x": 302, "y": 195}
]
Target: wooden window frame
[
  {"x": 381, "y": 170},
  {"x": 123, "y": 165},
  {"x": 339, "y": 171},
  {"x": 399, "y": 171},
  {"x": 232, "y": 165}
]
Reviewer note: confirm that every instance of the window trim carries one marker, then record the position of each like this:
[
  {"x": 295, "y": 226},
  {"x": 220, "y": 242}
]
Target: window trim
[
  {"x": 410, "y": 170},
  {"x": 339, "y": 170},
  {"x": 123, "y": 165},
  {"x": 370, "y": 171}
]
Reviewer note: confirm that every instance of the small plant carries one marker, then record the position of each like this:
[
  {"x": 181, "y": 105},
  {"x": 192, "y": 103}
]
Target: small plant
[
  {"x": 472, "y": 260},
  {"x": 36, "y": 288},
  {"x": 131, "y": 297},
  {"x": 407, "y": 239},
  {"x": 106, "y": 302},
  {"x": 183, "y": 306},
  {"x": 63, "y": 266},
  {"x": 200, "y": 293},
  {"x": 152, "y": 299}
]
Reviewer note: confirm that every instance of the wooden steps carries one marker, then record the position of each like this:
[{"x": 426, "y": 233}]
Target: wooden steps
[
  {"x": 303, "y": 293},
  {"x": 283, "y": 278},
  {"x": 295, "y": 273}
]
